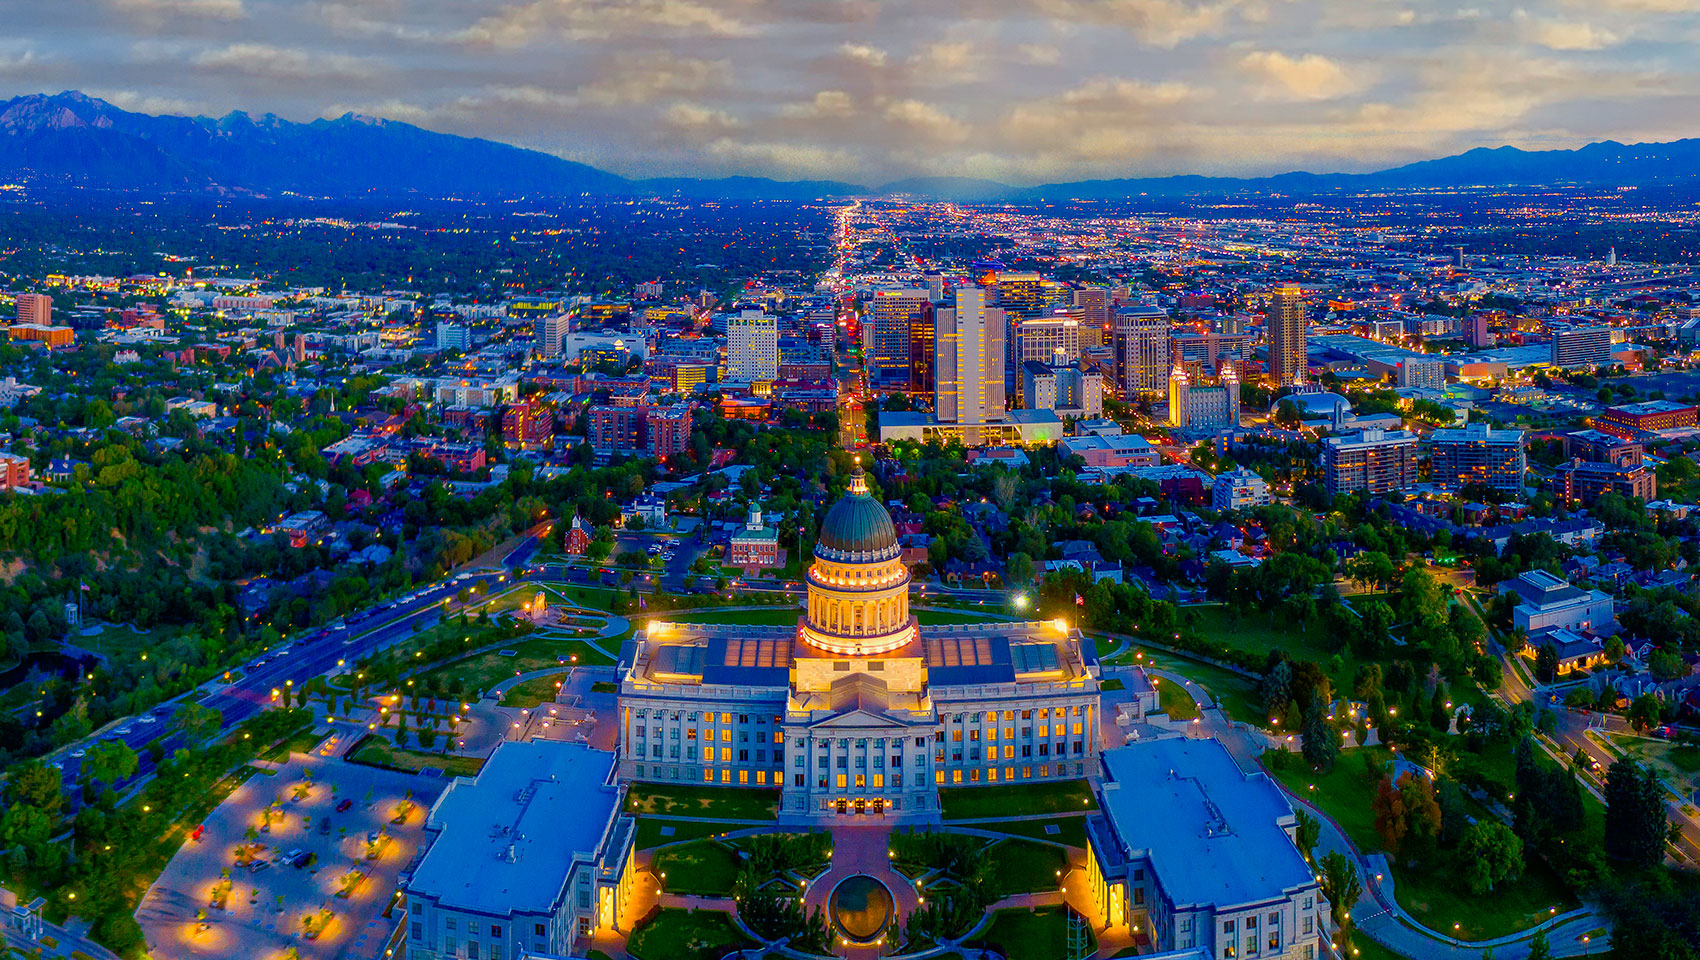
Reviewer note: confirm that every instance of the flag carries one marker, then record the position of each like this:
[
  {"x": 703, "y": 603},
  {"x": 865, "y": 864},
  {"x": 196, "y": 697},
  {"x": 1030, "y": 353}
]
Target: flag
[
  {"x": 84, "y": 586},
  {"x": 1079, "y": 600}
]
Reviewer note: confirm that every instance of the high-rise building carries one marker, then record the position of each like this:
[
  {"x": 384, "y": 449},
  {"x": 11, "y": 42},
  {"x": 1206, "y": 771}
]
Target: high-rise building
[
  {"x": 1479, "y": 454},
  {"x": 35, "y": 308},
  {"x": 1021, "y": 295},
  {"x": 453, "y": 336},
  {"x": 1238, "y": 489},
  {"x": 549, "y": 332},
  {"x": 969, "y": 371},
  {"x": 1415, "y": 372},
  {"x": 1476, "y": 333},
  {"x": 529, "y": 426},
  {"x": 1093, "y": 303},
  {"x": 1458, "y": 258},
  {"x": 1370, "y": 461},
  {"x": 752, "y": 347},
  {"x": 1050, "y": 340},
  {"x": 669, "y": 430},
  {"x": 1141, "y": 340},
  {"x": 894, "y": 315},
  {"x": 1581, "y": 346},
  {"x": 1064, "y": 388},
  {"x": 922, "y": 352},
  {"x": 1285, "y": 329}
]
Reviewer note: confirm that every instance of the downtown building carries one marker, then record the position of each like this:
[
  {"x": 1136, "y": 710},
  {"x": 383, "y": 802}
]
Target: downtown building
[
  {"x": 1478, "y": 454},
  {"x": 902, "y": 322},
  {"x": 1140, "y": 339},
  {"x": 1369, "y": 461},
  {"x": 1201, "y": 408},
  {"x": 1581, "y": 346},
  {"x": 857, "y": 709},
  {"x": 1285, "y": 333},
  {"x": 752, "y": 347}
]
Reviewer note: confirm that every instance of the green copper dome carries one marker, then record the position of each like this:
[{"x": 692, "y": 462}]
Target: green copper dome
[{"x": 857, "y": 527}]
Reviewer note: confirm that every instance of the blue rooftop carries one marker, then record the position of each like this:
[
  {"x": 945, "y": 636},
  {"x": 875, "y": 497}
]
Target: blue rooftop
[{"x": 1214, "y": 835}]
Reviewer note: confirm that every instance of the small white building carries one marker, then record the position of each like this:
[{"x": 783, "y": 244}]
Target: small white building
[
  {"x": 1238, "y": 489},
  {"x": 1550, "y": 602}
]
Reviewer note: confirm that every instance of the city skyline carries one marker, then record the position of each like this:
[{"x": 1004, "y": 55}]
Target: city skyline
[{"x": 1040, "y": 90}]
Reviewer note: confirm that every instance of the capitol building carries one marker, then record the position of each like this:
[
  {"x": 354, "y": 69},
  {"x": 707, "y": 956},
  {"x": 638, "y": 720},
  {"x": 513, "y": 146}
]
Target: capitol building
[{"x": 858, "y": 709}]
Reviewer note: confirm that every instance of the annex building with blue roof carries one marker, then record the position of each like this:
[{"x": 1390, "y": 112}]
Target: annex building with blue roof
[
  {"x": 1200, "y": 855},
  {"x": 858, "y": 710}
]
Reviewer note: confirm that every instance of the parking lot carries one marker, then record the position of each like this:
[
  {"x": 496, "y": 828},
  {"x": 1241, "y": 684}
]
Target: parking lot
[{"x": 217, "y": 900}]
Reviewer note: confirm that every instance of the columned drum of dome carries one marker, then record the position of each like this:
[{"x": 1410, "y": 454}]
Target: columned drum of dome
[{"x": 858, "y": 587}]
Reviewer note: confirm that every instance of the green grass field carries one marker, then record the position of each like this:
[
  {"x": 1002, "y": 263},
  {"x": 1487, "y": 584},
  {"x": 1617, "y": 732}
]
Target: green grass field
[
  {"x": 1040, "y": 934},
  {"x": 378, "y": 753},
  {"x": 1174, "y": 701},
  {"x": 302, "y": 742},
  {"x": 1237, "y": 695},
  {"x": 649, "y": 831},
  {"x": 674, "y": 934},
  {"x": 685, "y": 800},
  {"x": 1048, "y": 796},
  {"x": 1070, "y": 830},
  {"x": 702, "y": 868},
  {"x": 530, "y": 693},
  {"x": 1022, "y": 866},
  {"x": 536, "y": 653}
]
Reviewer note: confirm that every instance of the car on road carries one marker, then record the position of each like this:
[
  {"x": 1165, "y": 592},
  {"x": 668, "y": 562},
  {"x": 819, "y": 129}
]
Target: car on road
[
  {"x": 79, "y": 753},
  {"x": 296, "y": 858},
  {"x": 148, "y": 718},
  {"x": 123, "y": 731},
  {"x": 344, "y": 806},
  {"x": 324, "y": 826}
]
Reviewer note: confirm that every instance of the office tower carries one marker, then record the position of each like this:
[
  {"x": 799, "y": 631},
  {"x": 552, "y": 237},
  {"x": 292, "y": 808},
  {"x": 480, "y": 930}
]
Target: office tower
[
  {"x": 1423, "y": 373},
  {"x": 453, "y": 336},
  {"x": 1204, "y": 407},
  {"x": 752, "y": 347},
  {"x": 1064, "y": 388},
  {"x": 1021, "y": 295},
  {"x": 922, "y": 351},
  {"x": 1050, "y": 340},
  {"x": 1476, "y": 334},
  {"x": 1095, "y": 302},
  {"x": 1231, "y": 324},
  {"x": 35, "y": 308},
  {"x": 549, "y": 332},
  {"x": 969, "y": 341},
  {"x": 1581, "y": 346},
  {"x": 1458, "y": 258},
  {"x": 1479, "y": 454},
  {"x": 1141, "y": 339},
  {"x": 1611, "y": 257},
  {"x": 894, "y": 313},
  {"x": 935, "y": 287},
  {"x": 1285, "y": 331},
  {"x": 1370, "y": 461}
]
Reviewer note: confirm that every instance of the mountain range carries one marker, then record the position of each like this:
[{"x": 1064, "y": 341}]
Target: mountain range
[{"x": 73, "y": 138}]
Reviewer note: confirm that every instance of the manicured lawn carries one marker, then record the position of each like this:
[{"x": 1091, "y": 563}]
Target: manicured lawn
[
  {"x": 530, "y": 693},
  {"x": 536, "y": 653},
  {"x": 674, "y": 934},
  {"x": 302, "y": 742},
  {"x": 704, "y": 868},
  {"x": 1260, "y": 631},
  {"x": 1174, "y": 701},
  {"x": 1040, "y": 934},
  {"x": 1049, "y": 796},
  {"x": 1368, "y": 949},
  {"x": 777, "y": 617},
  {"x": 1236, "y": 694},
  {"x": 1070, "y": 830},
  {"x": 720, "y": 803},
  {"x": 378, "y": 753},
  {"x": 649, "y": 831},
  {"x": 1022, "y": 866},
  {"x": 1344, "y": 792},
  {"x": 945, "y": 618}
]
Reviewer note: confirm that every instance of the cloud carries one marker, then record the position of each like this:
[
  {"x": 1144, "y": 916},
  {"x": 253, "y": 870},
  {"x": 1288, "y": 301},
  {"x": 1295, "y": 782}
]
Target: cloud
[
  {"x": 926, "y": 120},
  {"x": 284, "y": 63},
  {"x": 826, "y": 104},
  {"x": 217, "y": 9},
  {"x": 955, "y": 62},
  {"x": 538, "y": 22},
  {"x": 1306, "y": 77},
  {"x": 1566, "y": 34},
  {"x": 692, "y": 116},
  {"x": 1038, "y": 54},
  {"x": 1160, "y": 23},
  {"x": 634, "y": 79},
  {"x": 863, "y": 53}
]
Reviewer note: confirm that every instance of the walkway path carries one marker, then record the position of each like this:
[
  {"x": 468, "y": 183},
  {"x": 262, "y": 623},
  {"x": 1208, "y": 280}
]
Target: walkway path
[{"x": 863, "y": 850}]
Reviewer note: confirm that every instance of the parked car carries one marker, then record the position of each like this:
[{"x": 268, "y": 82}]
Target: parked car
[
  {"x": 257, "y": 865},
  {"x": 343, "y": 806},
  {"x": 296, "y": 858}
]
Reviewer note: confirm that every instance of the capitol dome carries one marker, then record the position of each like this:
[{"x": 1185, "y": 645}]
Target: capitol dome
[{"x": 857, "y": 528}]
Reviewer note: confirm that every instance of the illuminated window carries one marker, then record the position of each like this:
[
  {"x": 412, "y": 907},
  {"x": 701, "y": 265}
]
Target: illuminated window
[
  {"x": 726, "y": 775},
  {"x": 707, "y": 775},
  {"x": 956, "y": 776},
  {"x": 841, "y": 781},
  {"x": 743, "y": 776}
]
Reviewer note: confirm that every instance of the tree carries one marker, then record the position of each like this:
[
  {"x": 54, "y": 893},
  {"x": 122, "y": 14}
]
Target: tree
[
  {"x": 1546, "y": 662},
  {"x": 1538, "y": 947},
  {"x": 1637, "y": 823},
  {"x": 1388, "y": 808},
  {"x": 1321, "y": 743},
  {"x": 111, "y": 761},
  {"x": 197, "y": 722},
  {"x": 1307, "y": 833},
  {"x": 1276, "y": 689},
  {"x": 1666, "y": 665},
  {"x": 1491, "y": 855},
  {"x": 1643, "y": 712},
  {"x": 1340, "y": 885}
]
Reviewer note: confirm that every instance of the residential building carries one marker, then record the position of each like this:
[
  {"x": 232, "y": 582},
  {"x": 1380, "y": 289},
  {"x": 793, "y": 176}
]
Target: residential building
[
  {"x": 1369, "y": 461},
  {"x": 969, "y": 342},
  {"x": 752, "y": 347},
  {"x": 1140, "y": 335},
  {"x": 453, "y": 336},
  {"x": 1285, "y": 333},
  {"x": 1581, "y": 346},
  {"x": 1204, "y": 408},
  {"x": 528, "y": 426},
  {"x": 1477, "y": 336},
  {"x": 755, "y": 545},
  {"x": 1582, "y": 481},
  {"x": 858, "y": 709},
  {"x": 549, "y": 332},
  {"x": 35, "y": 308},
  {"x": 1239, "y": 489},
  {"x": 1547, "y": 602},
  {"x": 533, "y": 855},
  {"x": 1597, "y": 446},
  {"x": 669, "y": 430},
  {"x": 1478, "y": 454},
  {"x": 1199, "y": 855},
  {"x": 51, "y": 336},
  {"x": 617, "y": 431},
  {"x": 1423, "y": 373},
  {"x": 14, "y": 470}
]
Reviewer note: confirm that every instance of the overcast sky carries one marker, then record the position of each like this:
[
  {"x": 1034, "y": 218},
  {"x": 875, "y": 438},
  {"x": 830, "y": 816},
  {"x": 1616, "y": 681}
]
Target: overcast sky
[{"x": 1023, "y": 91}]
